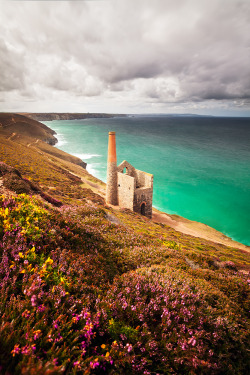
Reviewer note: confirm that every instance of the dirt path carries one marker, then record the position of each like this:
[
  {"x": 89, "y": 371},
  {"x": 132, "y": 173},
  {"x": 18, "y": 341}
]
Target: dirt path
[
  {"x": 11, "y": 136},
  {"x": 33, "y": 143}
]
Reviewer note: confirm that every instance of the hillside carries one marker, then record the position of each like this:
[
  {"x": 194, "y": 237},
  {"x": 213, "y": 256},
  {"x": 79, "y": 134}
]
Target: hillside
[
  {"x": 21, "y": 126},
  {"x": 87, "y": 289}
]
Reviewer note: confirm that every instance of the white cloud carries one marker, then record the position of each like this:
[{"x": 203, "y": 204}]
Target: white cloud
[{"x": 124, "y": 55}]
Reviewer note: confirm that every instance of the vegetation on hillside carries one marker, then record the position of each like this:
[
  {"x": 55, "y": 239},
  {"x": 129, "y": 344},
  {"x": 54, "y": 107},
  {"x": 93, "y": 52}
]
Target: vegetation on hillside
[
  {"x": 86, "y": 289},
  {"x": 22, "y": 126},
  {"x": 80, "y": 294}
]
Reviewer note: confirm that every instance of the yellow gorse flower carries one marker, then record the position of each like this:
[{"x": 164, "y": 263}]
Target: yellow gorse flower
[{"x": 49, "y": 261}]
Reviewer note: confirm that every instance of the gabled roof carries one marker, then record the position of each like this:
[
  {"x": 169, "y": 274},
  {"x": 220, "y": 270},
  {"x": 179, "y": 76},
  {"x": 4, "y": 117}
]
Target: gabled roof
[{"x": 125, "y": 164}]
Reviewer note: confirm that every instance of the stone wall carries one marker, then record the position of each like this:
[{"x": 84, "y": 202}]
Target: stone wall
[
  {"x": 143, "y": 196},
  {"x": 134, "y": 188},
  {"x": 127, "y": 168},
  {"x": 126, "y": 189},
  {"x": 143, "y": 179},
  {"x": 111, "y": 189}
]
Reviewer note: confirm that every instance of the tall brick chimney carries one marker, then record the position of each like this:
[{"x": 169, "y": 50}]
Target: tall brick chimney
[{"x": 111, "y": 188}]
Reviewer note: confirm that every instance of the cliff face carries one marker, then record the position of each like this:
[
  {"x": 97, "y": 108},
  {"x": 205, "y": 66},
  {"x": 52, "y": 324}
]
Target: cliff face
[
  {"x": 67, "y": 116},
  {"x": 14, "y": 124},
  {"x": 34, "y": 135}
]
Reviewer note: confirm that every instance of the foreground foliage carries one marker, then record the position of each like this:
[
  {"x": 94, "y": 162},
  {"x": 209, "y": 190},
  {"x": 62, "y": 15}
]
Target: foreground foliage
[{"x": 82, "y": 295}]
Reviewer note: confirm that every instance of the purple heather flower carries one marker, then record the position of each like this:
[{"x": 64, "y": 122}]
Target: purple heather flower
[
  {"x": 16, "y": 350},
  {"x": 41, "y": 308},
  {"x": 26, "y": 350},
  {"x": 33, "y": 300},
  {"x": 26, "y": 314},
  {"x": 94, "y": 364},
  {"x": 129, "y": 347},
  {"x": 192, "y": 341}
]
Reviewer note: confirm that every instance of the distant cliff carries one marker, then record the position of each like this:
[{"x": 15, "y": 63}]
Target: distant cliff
[
  {"x": 15, "y": 124},
  {"x": 33, "y": 134},
  {"x": 68, "y": 116}
]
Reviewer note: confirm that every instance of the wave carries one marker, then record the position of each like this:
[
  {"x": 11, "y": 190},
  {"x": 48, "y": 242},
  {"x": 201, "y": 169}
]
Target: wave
[
  {"x": 61, "y": 140},
  {"x": 86, "y": 156}
]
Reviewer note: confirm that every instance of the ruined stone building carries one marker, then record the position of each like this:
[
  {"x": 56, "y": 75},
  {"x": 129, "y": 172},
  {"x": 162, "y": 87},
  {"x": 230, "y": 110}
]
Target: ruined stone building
[{"x": 126, "y": 186}]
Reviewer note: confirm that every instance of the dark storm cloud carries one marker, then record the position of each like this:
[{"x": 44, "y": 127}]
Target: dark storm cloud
[{"x": 167, "y": 51}]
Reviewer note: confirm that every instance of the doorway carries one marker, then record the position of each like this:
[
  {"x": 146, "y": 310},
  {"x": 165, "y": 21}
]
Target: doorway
[{"x": 143, "y": 208}]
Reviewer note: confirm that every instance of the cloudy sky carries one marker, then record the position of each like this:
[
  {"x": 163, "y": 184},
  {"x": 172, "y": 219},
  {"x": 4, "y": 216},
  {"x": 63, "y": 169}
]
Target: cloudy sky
[{"x": 125, "y": 56}]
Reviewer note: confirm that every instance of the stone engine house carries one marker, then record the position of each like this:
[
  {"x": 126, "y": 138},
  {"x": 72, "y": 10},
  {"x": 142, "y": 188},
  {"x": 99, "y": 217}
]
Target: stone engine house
[{"x": 126, "y": 186}]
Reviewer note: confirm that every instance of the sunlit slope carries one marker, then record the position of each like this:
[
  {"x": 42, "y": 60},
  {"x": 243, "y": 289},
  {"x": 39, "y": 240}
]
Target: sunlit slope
[{"x": 89, "y": 289}]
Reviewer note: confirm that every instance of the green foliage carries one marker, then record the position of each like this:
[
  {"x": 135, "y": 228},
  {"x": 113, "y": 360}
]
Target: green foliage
[{"x": 80, "y": 294}]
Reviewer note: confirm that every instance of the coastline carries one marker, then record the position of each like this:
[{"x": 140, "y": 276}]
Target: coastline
[
  {"x": 178, "y": 223},
  {"x": 196, "y": 229},
  {"x": 68, "y": 116}
]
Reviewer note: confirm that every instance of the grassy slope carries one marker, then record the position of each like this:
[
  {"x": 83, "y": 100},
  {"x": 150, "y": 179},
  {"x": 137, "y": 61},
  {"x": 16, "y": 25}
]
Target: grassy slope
[
  {"x": 25, "y": 127},
  {"x": 158, "y": 300}
]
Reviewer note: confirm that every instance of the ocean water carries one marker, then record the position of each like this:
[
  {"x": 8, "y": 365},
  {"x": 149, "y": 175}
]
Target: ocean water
[{"x": 201, "y": 165}]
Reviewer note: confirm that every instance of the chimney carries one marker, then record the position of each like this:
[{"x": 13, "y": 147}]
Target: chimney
[{"x": 111, "y": 188}]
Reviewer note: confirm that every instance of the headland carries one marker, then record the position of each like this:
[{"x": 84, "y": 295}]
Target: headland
[
  {"x": 89, "y": 288},
  {"x": 26, "y": 130},
  {"x": 68, "y": 116}
]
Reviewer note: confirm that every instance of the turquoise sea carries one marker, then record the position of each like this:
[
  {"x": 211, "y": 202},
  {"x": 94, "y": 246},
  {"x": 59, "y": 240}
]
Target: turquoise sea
[{"x": 201, "y": 165}]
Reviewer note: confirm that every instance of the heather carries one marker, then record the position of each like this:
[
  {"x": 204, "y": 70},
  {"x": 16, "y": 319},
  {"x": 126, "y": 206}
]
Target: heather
[{"x": 86, "y": 290}]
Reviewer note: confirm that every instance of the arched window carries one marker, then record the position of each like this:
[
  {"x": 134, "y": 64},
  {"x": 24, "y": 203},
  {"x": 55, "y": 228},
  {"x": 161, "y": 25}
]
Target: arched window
[
  {"x": 143, "y": 207},
  {"x": 125, "y": 170}
]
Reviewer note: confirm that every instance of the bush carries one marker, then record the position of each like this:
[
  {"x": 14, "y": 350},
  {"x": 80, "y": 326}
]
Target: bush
[
  {"x": 15, "y": 183},
  {"x": 67, "y": 307}
]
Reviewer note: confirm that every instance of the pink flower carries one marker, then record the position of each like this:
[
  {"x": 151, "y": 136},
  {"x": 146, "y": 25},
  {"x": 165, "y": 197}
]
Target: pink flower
[
  {"x": 26, "y": 350},
  {"x": 33, "y": 300},
  {"x": 26, "y": 314},
  {"x": 37, "y": 334},
  {"x": 192, "y": 341},
  {"x": 41, "y": 308},
  {"x": 94, "y": 364},
  {"x": 16, "y": 350},
  {"x": 76, "y": 363},
  {"x": 129, "y": 347}
]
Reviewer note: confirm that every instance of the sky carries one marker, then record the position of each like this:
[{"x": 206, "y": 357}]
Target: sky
[{"x": 125, "y": 56}]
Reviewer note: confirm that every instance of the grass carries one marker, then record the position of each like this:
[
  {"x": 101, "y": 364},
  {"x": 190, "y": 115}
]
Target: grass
[{"x": 86, "y": 289}]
